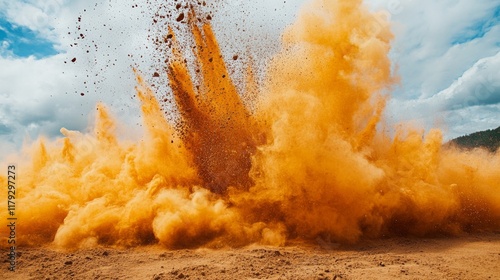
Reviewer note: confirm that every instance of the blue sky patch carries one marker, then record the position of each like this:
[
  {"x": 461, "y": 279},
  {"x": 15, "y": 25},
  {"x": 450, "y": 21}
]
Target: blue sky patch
[
  {"x": 23, "y": 42},
  {"x": 480, "y": 28}
]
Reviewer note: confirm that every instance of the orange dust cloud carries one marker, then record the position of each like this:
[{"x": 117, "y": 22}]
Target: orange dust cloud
[{"x": 303, "y": 156}]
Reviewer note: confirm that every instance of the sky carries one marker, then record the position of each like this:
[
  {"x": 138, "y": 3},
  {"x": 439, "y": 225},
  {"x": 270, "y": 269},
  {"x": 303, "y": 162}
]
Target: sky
[{"x": 446, "y": 53}]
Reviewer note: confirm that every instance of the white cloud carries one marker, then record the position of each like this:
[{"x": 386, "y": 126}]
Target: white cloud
[
  {"x": 4, "y": 49},
  {"x": 479, "y": 85},
  {"x": 32, "y": 92},
  {"x": 478, "y": 117},
  {"x": 39, "y": 96},
  {"x": 470, "y": 101},
  {"x": 445, "y": 70},
  {"x": 39, "y": 99},
  {"x": 425, "y": 32},
  {"x": 34, "y": 15}
]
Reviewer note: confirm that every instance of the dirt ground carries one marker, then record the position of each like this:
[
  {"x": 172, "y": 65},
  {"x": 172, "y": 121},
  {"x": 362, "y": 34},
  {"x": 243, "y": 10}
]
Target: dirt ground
[{"x": 466, "y": 257}]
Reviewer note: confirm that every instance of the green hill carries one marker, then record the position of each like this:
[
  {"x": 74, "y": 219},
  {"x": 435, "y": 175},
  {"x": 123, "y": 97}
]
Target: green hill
[{"x": 489, "y": 139}]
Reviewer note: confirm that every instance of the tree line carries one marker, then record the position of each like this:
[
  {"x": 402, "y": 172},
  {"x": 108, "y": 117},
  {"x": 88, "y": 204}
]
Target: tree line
[{"x": 489, "y": 139}]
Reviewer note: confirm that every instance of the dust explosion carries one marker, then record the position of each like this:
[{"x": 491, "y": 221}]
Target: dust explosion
[{"x": 308, "y": 158}]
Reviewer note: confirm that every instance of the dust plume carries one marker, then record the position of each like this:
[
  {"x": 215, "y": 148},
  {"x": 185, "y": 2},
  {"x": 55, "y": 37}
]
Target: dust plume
[{"x": 308, "y": 159}]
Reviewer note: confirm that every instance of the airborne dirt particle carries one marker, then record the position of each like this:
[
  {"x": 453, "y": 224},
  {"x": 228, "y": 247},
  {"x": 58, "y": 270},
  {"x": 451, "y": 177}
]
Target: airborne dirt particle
[{"x": 180, "y": 17}]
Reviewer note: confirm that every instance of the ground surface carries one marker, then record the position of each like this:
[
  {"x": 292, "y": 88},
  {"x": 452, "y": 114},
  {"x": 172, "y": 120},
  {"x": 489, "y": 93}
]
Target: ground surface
[{"x": 466, "y": 257}]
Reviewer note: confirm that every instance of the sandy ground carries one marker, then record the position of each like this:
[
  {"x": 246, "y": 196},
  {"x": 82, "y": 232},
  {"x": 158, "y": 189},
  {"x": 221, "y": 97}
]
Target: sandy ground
[{"x": 466, "y": 257}]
